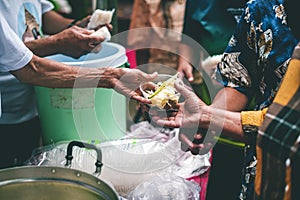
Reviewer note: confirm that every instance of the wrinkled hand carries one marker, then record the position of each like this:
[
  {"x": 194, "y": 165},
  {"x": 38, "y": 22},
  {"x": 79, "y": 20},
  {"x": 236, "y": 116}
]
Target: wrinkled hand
[
  {"x": 76, "y": 41},
  {"x": 128, "y": 84},
  {"x": 187, "y": 119}
]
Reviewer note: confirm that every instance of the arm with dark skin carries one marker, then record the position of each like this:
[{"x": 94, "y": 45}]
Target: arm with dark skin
[
  {"x": 194, "y": 114},
  {"x": 48, "y": 73},
  {"x": 74, "y": 41}
]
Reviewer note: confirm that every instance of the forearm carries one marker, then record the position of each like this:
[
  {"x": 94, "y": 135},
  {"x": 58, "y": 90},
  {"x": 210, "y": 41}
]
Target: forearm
[
  {"x": 44, "y": 46},
  {"x": 230, "y": 99},
  {"x": 54, "y": 23},
  {"x": 224, "y": 122},
  {"x": 224, "y": 114},
  {"x": 232, "y": 124},
  {"x": 186, "y": 55},
  {"x": 44, "y": 72}
]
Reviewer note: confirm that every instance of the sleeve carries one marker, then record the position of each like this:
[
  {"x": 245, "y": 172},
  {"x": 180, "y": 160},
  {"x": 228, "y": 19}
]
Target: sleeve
[
  {"x": 238, "y": 65},
  {"x": 46, "y": 6},
  {"x": 13, "y": 52}
]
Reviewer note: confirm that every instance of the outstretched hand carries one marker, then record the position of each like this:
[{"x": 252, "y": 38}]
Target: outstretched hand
[
  {"x": 189, "y": 112},
  {"x": 188, "y": 119},
  {"x": 128, "y": 84}
]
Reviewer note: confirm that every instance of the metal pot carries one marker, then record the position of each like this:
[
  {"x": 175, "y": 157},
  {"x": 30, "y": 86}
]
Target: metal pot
[{"x": 48, "y": 183}]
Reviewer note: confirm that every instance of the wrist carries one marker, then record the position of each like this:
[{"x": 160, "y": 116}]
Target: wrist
[
  {"x": 55, "y": 43},
  {"x": 72, "y": 23},
  {"x": 205, "y": 117},
  {"x": 110, "y": 77}
]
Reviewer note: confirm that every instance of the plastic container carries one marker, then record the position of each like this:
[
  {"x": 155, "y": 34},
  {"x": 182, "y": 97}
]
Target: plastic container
[{"x": 84, "y": 113}]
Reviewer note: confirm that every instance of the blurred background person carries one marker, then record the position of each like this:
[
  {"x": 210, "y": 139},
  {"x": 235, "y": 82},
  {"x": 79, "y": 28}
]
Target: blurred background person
[{"x": 167, "y": 15}]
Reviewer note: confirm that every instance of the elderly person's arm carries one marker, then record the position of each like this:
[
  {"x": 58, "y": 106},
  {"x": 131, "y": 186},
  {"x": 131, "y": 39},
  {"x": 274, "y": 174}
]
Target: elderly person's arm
[
  {"x": 44, "y": 72},
  {"x": 74, "y": 42}
]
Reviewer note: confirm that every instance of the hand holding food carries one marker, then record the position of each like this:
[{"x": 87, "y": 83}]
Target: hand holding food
[
  {"x": 102, "y": 32},
  {"x": 100, "y": 17},
  {"x": 161, "y": 91}
]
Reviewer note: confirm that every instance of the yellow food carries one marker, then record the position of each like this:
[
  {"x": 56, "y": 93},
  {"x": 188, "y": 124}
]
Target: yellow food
[{"x": 165, "y": 95}]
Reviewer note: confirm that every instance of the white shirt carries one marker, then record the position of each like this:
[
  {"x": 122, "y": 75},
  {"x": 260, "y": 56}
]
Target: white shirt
[{"x": 17, "y": 101}]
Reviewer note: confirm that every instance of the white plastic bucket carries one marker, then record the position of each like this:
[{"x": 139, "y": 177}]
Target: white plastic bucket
[{"x": 84, "y": 113}]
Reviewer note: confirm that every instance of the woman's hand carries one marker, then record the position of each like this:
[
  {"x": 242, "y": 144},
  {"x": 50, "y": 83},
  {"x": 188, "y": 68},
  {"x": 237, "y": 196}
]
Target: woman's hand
[
  {"x": 185, "y": 69},
  {"x": 188, "y": 119},
  {"x": 189, "y": 112}
]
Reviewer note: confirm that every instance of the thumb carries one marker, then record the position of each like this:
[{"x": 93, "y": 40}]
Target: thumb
[
  {"x": 183, "y": 89},
  {"x": 189, "y": 75},
  {"x": 149, "y": 77}
]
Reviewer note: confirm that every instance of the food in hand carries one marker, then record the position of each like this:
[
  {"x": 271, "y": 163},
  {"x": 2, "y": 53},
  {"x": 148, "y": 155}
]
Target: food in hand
[
  {"x": 103, "y": 32},
  {"x": 162, "y": 94},
  {"x": 100, "y": 17}
]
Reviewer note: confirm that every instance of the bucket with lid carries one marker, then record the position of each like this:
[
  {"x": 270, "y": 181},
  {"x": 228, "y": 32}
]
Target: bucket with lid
[{"x": 84, "y": 113}]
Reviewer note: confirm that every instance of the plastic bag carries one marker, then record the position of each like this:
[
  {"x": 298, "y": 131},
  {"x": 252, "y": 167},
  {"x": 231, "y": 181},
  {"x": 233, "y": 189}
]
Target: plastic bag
[
  {"x": 166, "y": 187},
  {"x": 142, "y": 154}
]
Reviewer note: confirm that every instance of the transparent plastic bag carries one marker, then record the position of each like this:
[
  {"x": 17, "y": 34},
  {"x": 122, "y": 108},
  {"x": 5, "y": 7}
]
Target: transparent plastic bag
[
  {"x": 166, "y": 187},
  {"x": 127, "y": 162}
]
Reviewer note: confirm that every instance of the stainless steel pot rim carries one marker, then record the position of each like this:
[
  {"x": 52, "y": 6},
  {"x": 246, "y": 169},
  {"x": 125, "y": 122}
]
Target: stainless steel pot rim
[{"x": 25, "y": 175}]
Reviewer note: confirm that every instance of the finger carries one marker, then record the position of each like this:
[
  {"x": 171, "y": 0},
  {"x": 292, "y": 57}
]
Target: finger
[
  {"x": 189, "y": 75},
  {"x": 181, "y": 74},
  {"x": 95, "y": 40},
  {"x": 183, "y": 90},
  {"x": 95, "y": 48},
  {"x": 148, "y": 77},
  {"x": 82, "y": 30},
  {"x": 166, "y": 123},
  {"x": 186, "y": 143},
  {"x": 84, "y": 22},
  {"x": 205, "y": 148},
  {"x": 140, "y": 99},
  {"x": 109, "y": 26}
]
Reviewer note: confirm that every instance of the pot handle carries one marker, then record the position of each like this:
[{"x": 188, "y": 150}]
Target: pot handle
[{"x": 69, "y": 156}]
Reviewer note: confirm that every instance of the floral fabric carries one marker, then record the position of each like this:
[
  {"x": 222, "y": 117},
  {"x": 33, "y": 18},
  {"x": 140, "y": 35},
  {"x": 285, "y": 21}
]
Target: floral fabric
[{"x": 255, "y": 62}]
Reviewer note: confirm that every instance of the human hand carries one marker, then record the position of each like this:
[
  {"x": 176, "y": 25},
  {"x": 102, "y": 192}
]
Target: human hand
[
  {"x": 185, "y": 69},
  {"x": 129, "y": 81},
  {"x": 84, "y": 22},
  {"x": 188, "y": 119},
  {"x": 76, "y": 41},
  {"x": 189, "y": 111}
]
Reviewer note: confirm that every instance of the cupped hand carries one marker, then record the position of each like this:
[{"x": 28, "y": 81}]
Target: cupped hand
[
  {"x": 188, "y": 118},
  {"x": 189, "y": 112}
]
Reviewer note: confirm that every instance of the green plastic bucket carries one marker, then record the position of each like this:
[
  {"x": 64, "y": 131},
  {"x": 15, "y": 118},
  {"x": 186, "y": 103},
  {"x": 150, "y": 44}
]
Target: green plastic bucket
[{"x": 84, "y": 113}]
